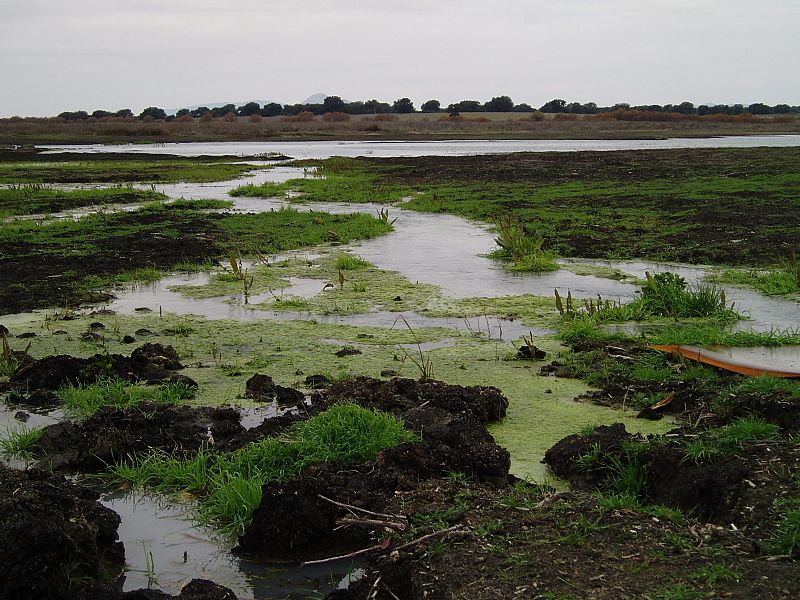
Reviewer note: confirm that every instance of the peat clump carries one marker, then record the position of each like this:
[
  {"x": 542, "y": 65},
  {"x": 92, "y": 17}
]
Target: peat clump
[
  {"x": 58, "y": 539},
  {"x": 114, "y": 434},
  {"x": 293, "y": 520},
  {"x": 150, "y": 363},
  {"x": 398, "y": 396},
  {"x": 263, "y": 389}
]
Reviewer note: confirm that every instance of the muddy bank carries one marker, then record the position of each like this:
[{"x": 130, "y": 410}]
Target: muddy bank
[
  {"x": 34, "y": 380},
  {"x": 295, "y": 521},
  {"x": 525, "y": 542},
  {"x": 112, "y": 435},
  {"x": 57, "y": 539}
]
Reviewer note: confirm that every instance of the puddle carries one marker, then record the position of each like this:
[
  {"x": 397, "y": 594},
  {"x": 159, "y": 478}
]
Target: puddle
[{"x": 182, "y": 551}]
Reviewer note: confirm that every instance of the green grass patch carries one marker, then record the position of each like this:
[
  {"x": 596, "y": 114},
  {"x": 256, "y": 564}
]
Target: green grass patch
[
  {"x": 120, "y": 171},
  {"x": 20, "y": 442},
  {"x": 730, "y": 438},
  {"x": 348, "y": 262},
  {"x": 714, "y": 335},
  {"x": 230, "y": 484},
  {"x": 27, "y": 199},
  {"x": 85, "y": 400},
  {"x": 786, "y": 538}
]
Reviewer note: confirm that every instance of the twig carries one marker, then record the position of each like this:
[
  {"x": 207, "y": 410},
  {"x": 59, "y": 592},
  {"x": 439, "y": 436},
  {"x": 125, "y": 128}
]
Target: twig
[
  {"x": 343, "y": 556},
  {"x": 430, "y": 535},
  {"x": 352, "y": 508},
  {"x": 372, "y": 523},
  {"x": 552, "y": 499}
]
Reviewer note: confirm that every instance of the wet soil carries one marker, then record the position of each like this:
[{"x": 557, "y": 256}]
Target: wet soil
[
  {"x": 34, "y": 378},
  {"x": 535, "y": 545},
  {"x": 737, "y": 228},
  {"x": 56, "y": 537},
  {"x": 34, "y": 280},
  {"x": 293, "y": 520}
]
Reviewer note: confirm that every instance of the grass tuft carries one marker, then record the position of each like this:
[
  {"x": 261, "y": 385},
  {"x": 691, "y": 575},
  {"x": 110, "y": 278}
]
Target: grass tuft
[{"x": 82, "y": 401}]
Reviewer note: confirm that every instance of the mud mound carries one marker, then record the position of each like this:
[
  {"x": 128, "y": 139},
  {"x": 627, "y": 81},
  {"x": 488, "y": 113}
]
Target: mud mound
[
  {"x": 113, "y": 434},
  {"x": 263, "y": 389},
  {"x": 562, "y": 458},
  {"x": 151, "y": 363},
  {"x": 293, "y": 521},
  {"x": 57, "y": 537},
  {"x": 779, "y": 409},
  {"x": 196, "y": 589},
  {"x": 398, "y": 396}
]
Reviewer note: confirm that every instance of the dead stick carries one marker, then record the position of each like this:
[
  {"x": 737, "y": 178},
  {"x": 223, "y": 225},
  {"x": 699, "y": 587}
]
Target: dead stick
[
  {"x": 343, "y": 556},
  {"x": 373, "y": 523},
  {"x": 430, "y": 535},
  {"x": 363, "y": 510}
]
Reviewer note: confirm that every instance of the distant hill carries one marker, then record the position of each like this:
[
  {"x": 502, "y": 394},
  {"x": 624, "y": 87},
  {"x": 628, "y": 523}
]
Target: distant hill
[{"x": 319, "y": 99}]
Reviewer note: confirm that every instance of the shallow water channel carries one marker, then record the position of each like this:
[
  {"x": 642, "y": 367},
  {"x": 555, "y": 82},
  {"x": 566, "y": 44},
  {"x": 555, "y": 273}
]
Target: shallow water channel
[{"x": 443, "y": 250}]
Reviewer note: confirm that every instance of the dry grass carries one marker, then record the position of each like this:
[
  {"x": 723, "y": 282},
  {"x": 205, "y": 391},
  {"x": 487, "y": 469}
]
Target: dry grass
[{"x": 306, "y": 126}]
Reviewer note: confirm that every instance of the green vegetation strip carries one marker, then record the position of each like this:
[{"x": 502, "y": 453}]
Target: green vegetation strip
[
  {"x": 37, "y": 199},
  {"x": 230, "y": 484},
  {"x": 85, "y": 400},
  {"x": 120, "y": 171},
  {"x": 657, "y": 205}
]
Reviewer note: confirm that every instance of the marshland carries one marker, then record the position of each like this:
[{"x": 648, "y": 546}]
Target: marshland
[{"x": 240, "y": 361}]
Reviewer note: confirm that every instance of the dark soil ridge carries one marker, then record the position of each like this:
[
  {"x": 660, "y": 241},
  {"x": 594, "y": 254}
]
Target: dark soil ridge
[
  {"x": 292, "y": 520},
  {"x": 571, "y": 548},
  {"x": 739, "y": 489},
  {"x": 150, "y": 363}
]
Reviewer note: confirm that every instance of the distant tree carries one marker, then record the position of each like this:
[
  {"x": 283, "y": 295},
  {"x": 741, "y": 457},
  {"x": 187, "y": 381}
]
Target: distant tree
[
  {"x": 200, "y": 111},
  {"x": 685, "y": 108},
  {"x": 184, "y": 112},
  {"x": 99, "y": 114},
  {"x": 703, "y": 110},
  {"x": 431, "y": 106},
  {"x": 499, "y": 104},
  {"x": 469, "y": 106},
  {"x": 154, "y": 113},
  {"x": 375, "y": 107},
  {"x": 759, "y": 108},
  {"x": 403, "y": 105},
  {"x": 452, "y": 110},
  {"x": 126, "y": 113},
  {"x": 251, "y": 108},
  {"x": 782, "y": 109},
  {"x": 333, "y": 104},
  {"x": 554, "y": 106},
  {"x": 273, "y": 109},
  {"x": 737, "y": 109},
  {"x": 523, "y": 108},
  {"x": 76, "y": 115},
  {"x": 221, "y": 111}
]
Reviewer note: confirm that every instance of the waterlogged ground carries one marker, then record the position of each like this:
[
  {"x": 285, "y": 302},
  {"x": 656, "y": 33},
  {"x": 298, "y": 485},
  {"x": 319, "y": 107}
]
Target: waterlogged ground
[{"x": 422, "y": 300}]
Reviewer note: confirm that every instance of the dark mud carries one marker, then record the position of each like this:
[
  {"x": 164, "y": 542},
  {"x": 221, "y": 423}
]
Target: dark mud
[
  {"x": 112, "y": 435},
  {"x": 528, "y": 544},
  {"x": 150, "y": 363},
  {"x": 34, "y": 280},
  {"x": 294, "y": 521},
  {"x": 57, "y": 539}
]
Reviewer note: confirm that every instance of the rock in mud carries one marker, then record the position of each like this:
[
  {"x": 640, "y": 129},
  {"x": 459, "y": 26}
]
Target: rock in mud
[
  {"x": 57, "y": 539},
  {"x": 263, "y": 389},
  {"x": 112, "y": 434},
  {"x": 347, "y": 351}
]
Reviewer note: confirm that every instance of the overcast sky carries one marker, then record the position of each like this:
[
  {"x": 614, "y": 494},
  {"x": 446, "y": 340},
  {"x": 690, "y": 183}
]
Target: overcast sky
[{"x": 58, "y": 55}]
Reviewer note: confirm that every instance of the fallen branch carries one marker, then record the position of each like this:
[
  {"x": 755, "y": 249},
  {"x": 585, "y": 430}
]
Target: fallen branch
[
  {"x": 552, "y": 499},
  {"x": 343, "y": 556},
  {"x": 398, "y": 526},
  {"x": 430, "y": 535},
  {"x": 355, "y": 509}
]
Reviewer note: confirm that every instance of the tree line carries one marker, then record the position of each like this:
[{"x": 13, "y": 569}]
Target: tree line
[{"x": 335, "y": 104}]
